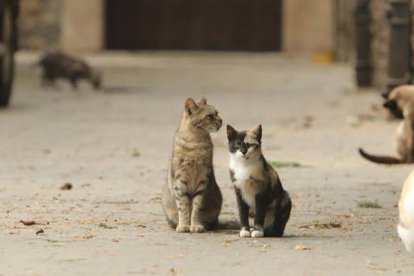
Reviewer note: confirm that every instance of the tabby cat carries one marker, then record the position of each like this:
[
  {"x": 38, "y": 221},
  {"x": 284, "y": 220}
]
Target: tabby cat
[
  {"x": 191, "y": 198},
  {"x": 257, "y": 185}
]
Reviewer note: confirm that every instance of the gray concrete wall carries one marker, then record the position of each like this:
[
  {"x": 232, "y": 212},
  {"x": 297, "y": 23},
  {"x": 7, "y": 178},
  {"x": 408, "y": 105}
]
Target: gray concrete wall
[
  {"x": 308, "y": 25},
  {"x": 71, "y": 25},
  {"x": 82, "y": 25},
  {"x": 39, "y": 26}
]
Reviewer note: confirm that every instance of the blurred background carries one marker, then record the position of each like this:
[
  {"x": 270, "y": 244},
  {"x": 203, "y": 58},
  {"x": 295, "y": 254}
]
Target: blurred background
[
  {"x": 244, "y": 25},
  {"x": 295, "y": 66},
  {"x": 323, "y": 28}
]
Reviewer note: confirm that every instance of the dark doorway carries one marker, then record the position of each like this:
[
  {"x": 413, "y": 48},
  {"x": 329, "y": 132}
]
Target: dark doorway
[{"x": 245, "y": 25}]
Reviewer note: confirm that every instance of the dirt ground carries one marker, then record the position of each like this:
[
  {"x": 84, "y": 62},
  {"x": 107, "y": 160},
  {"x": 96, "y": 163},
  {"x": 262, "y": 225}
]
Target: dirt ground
[{"x": 113, "y": 147}]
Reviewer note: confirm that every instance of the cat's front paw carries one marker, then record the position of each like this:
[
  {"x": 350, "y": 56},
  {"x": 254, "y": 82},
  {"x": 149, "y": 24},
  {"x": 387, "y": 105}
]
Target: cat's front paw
[
  {"x": 244, "y": 233},
  {"x": 257, "y": 233},
  {"x": 181, "y": 228},
  {"x": 197, "y": 228}
]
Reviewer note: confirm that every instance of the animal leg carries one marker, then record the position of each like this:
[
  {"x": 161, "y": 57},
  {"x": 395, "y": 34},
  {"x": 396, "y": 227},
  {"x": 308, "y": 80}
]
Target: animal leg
[
  {"x": 196, "y": 216},
  {"x": 183, "y": 204},
  {"x": 261, "y": 207},
  {"x": 243, "y": 215},
  {"x": 283, "y": 209},
  {"x": 74, "y": 83}
]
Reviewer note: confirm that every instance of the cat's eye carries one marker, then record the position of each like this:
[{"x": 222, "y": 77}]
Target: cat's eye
[
  {"x": 210, "y": 116},
  {"x": 248, "y": 145}
]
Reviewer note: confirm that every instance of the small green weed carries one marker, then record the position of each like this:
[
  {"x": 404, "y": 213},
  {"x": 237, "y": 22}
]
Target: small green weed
[
  {"x": 285, "y": 164},
  {"x": 104, "y": 226},
  {"x": 368, "y": 204}
]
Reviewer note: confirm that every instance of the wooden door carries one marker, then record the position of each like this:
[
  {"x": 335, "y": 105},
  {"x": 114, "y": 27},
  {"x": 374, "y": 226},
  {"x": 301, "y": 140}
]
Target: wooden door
[{"x": 246, "y": 25}]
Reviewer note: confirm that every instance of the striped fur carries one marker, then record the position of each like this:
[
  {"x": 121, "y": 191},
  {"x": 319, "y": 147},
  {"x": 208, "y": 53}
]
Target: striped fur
[{"x": 191, "y": 198}]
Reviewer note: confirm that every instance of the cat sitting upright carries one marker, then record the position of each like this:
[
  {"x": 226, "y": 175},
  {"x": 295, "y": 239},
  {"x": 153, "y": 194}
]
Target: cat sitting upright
[
  {"x": 257, "y": 185},
  {"x": 399, "y": 98},
  {"x": 191, "y": 198},
  {"x": 57, "y": 65}
]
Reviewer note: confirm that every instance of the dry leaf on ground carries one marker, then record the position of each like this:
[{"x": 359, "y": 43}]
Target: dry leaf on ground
[{"x": 66, "y": 186}]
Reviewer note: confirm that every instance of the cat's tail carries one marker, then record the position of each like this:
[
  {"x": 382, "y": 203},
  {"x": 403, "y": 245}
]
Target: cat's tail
[{"x": 380, "y": 159}]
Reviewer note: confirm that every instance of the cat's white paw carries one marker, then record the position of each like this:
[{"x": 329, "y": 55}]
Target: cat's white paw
[
  {"x": 197, "y": 228},
  {"x": 244, "y": 233},
  {"x": 181, "y": 228},
  {"x": 257, "y": 234}
]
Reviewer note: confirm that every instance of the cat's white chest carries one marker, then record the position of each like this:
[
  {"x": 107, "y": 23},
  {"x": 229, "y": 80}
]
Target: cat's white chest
[
  {"x": 400, "y": 133},
  {"x": 242, "y": 170}
]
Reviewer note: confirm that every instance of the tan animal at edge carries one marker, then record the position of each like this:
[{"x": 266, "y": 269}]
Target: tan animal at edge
[
  {"x": 406, "y": 91},
  {"x": 406, "y": 214},
  {"x": 402, "y": 98}
]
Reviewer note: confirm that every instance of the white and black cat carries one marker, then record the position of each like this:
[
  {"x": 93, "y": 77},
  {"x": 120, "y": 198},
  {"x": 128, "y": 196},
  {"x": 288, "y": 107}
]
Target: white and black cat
[{"x": 257, "y": 185}]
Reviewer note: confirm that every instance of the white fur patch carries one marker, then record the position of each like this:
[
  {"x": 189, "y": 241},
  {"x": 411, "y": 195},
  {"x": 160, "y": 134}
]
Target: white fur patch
[
  {"x": 244, "y": 233},
  {"x": 257, "y": 234},
  {"x": 399, "y": 136},
  {"x": 406, "y": 208},
  {"x": 407, "y": 237},
  {"x": 242, "y": 169}
]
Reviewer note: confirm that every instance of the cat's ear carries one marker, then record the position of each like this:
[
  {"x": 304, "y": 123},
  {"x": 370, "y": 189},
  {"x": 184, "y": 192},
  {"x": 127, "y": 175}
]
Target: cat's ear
[
  {"x": 258, "y": 131},
  {"x": 202, "y": 101},
  {"x": 190, "y": 106},
  {"x": 231, "y": 132}
]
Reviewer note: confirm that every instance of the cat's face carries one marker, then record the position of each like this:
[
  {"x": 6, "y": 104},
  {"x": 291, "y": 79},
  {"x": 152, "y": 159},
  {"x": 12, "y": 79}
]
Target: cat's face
[
  {"x": 245, "y": 144},
  {"x": 400, "y": 100},
  {"x": 202, "y": 116},
  {"x": 393, "y": 107}
]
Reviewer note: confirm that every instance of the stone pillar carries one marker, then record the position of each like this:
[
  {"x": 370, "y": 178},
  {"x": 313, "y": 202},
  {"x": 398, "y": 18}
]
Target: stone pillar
[
  {"x": 344, "y": 30},
  {"x": 380, "y": 37},
  {"x": 399, "y": 58},
  {"x": 363, "y": 67},
  {"x": 82, "y": 25}
]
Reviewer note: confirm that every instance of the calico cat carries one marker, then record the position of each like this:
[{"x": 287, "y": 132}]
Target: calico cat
[
  {"x": 57, "y": 65},
  {"x": 257, "y": 185},
  {"x": 399, "y": 98},
  {"x": 406, "y": 214},
  {"x": 191, "y": 198}
]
